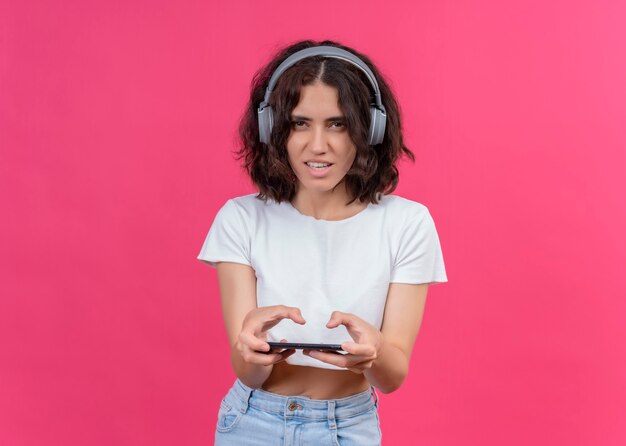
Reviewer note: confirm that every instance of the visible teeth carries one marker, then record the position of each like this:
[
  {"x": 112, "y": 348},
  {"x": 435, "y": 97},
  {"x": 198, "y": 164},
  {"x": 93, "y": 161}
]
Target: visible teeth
[{"x": 318, "y": 164}]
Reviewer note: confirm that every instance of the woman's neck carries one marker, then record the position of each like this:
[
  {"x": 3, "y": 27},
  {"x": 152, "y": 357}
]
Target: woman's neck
[{"x": 329, "y": 206}]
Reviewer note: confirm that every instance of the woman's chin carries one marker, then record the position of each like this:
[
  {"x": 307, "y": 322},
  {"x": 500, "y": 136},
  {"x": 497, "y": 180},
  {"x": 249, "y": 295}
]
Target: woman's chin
[{"x": 317, "y": 188}]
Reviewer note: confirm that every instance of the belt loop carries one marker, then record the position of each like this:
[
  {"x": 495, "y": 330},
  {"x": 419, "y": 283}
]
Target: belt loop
[
  {"x": 375, "y": 396},
  {"x": 332, "y": 424},
  {"x": 247, "y": 394}
]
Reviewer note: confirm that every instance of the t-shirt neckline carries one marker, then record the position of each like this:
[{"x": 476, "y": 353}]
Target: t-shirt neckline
[{"x": 322, "y": 221}]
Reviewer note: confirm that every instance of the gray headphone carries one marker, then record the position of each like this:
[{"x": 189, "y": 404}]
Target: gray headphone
[{"x": 377, "y": 110}]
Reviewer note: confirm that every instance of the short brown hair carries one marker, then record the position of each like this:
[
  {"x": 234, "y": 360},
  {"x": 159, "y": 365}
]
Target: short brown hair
[{"x": 374, "y": 169}]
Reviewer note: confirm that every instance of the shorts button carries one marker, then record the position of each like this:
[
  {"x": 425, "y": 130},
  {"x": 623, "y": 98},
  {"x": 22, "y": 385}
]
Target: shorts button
[{"x": 292, "y": 406}]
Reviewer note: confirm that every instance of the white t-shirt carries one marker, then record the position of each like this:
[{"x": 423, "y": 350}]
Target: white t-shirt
[{"x": 320, "y": 266}]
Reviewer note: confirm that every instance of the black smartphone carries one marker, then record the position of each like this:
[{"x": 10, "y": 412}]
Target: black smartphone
[{"x": 305, "y": 346}]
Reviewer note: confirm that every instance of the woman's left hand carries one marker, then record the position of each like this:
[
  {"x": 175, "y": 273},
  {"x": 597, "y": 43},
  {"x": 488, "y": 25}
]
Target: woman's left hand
[{"x": 362, "y": 353}]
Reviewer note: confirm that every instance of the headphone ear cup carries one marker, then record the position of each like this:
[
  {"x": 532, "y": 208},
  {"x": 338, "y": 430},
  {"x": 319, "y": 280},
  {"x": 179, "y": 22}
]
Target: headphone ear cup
[
  {"x": 378, "y": 124},
  {"x": 266, "y": 122}
]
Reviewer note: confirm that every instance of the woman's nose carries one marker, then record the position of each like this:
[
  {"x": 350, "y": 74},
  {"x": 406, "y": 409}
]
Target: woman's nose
[{"x": 318, "y": 141}]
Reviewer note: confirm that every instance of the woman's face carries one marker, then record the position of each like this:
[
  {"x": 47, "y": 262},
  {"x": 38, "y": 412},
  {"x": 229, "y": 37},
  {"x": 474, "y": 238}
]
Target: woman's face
[{"x": 319, "y": 133}]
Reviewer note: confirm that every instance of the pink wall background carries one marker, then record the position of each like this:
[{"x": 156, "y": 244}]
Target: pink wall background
[{"x": 116, "y": 124}]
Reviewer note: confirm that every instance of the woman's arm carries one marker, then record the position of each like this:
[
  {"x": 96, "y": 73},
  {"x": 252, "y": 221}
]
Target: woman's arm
[
  {"x": 237, "y": 284},
  {"x": 381, "y": 355},
  {"x": 404, "y": 311},
  {"x": 246, "y": 324}
]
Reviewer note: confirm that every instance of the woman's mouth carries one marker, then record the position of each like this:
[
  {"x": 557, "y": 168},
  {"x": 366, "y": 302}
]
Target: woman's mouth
[{"x": 318, "y": 169}]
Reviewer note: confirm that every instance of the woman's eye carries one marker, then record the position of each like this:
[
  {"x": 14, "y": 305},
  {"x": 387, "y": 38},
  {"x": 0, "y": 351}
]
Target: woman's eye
[{"x": 334, "y": 124}]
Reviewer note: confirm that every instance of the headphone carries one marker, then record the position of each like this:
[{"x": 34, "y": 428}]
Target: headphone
[{"x": 377, "y": 110}]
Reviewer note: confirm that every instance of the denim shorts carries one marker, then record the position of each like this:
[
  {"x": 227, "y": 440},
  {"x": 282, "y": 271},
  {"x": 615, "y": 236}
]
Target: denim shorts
[{"x": 256, "y": 417}]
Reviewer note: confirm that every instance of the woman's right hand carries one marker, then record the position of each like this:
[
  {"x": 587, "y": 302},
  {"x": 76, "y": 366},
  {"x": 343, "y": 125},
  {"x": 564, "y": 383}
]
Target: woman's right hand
[{"x": 251, "y": 342}]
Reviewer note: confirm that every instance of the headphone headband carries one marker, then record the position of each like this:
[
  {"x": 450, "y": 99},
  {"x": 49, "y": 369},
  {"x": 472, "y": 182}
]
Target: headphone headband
[
  {"x": 377, "y": 110},
  {"x": 326, "y": 51}
]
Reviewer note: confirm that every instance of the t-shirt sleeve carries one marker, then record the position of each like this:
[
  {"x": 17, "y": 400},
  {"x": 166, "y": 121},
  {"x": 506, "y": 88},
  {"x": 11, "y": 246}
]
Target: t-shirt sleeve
[
  {"x": 419, "y": 258},
  {"x": 227, "y": 240}
]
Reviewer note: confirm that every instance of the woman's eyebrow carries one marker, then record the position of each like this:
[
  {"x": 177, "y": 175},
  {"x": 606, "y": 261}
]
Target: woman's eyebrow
[{"x": 304, "y": 118}]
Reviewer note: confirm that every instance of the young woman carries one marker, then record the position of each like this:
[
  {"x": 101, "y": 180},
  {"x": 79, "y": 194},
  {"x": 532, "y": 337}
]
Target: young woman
[{"x": 322, "y": 254}]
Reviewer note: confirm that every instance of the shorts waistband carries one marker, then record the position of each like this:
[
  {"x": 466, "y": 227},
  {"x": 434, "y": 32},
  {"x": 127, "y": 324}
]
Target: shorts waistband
[{"x": 303, "y": 407}]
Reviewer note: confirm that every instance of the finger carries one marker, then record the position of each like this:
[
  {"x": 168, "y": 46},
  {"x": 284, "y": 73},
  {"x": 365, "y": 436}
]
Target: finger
[
  {"x": 279, "y": 349},
  {"x": 366, "y": 363},
  {"x": 295, "y": 315},
  {"x": 361, "y": 366},
  {"x": 336, "y": 319},
  {"x": 356, "y": 360},
  {"x": 285, "y": 354},
  {"x": 330, "y": 358},
  {"x": 283, "y": 312},
  {"x": 253, "y": 343},
  {"x": 340, "y": 318},
  {"x": 366, "y": 350},
  {"x": 253, "y": 357}
]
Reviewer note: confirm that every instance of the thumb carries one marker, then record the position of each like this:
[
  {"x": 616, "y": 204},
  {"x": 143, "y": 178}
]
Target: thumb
[{"x": 335, "y": 320}]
